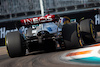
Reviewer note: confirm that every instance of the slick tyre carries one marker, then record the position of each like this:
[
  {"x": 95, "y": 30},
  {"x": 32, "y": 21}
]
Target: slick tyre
[
  {"x": 29, "y": 32},
  {"x": 71, "y": 35},
  {"x": 87, "y": 31},
  {"x": 14, "y": 43}
]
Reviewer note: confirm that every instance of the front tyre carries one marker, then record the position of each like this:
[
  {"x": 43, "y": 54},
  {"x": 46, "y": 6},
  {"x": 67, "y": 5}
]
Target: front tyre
[
  {"x": 87, "y": 31},
  {"x": 71, "y": 36},
  {"x": 14, "y": 43}
]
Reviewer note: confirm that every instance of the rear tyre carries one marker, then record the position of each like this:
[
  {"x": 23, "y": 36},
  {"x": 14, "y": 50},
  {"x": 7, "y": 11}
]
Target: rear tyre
[
  {"x": 87, "y": 31},
  {"x": 14, "y": 43},
  {"x": 71, "y": 35}
]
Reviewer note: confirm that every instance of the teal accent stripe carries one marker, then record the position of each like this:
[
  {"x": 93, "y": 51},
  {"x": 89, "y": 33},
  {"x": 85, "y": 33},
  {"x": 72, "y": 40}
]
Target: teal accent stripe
[
  {"x": 88, "y": 60},
  {"x": 2, "y": 46}
]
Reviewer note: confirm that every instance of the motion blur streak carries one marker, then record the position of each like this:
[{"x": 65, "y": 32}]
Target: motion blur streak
[{"x": 79, "y": 53}]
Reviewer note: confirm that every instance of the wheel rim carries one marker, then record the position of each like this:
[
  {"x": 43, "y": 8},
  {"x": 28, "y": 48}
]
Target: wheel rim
[
  {"x": 81, "y": 42},
  {"x": 6, "y": 44},
  {"x": 92, "y": 28}
]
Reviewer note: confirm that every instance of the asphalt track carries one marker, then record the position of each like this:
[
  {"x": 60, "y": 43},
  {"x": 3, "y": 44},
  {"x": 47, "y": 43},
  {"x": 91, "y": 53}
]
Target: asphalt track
[{"x": 38, "y": 59}]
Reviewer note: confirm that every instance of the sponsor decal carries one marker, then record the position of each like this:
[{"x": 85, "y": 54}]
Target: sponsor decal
[
  {"x": 49, "y": 28},
  {"x": 3, "y": 31},
  {"x": 73, "y": 20},
  {"x": 38, "y": 20},
  {"x": 97, "y": 19}
]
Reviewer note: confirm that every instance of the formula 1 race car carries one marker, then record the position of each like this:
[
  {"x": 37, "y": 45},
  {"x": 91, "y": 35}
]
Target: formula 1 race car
[{"x": 49, "y": 35}]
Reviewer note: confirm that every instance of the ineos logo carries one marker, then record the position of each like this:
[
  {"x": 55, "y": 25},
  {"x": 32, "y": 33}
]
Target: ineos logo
[{"x": 32, "y": 21}]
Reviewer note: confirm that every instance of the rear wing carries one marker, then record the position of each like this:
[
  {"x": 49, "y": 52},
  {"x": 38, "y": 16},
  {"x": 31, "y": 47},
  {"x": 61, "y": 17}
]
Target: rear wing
[
  {"x": 38, "y": 20},
  {"x": 29, "y": 21}
]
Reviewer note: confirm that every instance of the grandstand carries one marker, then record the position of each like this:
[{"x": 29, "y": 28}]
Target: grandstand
[{"x": 18, "y": 8}]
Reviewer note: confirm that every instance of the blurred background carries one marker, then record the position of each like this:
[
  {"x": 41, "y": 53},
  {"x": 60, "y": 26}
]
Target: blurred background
[{"x": 16, "y": 8}]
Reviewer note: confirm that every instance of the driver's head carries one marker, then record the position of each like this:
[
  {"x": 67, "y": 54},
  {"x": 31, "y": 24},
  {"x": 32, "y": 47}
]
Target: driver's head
[{"x": 66, "y": 20}]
